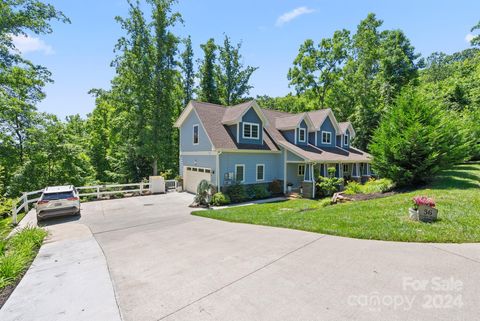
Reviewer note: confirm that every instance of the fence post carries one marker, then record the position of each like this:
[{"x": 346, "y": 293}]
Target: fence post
[
  {"x": 98, "y": 192},
  {"x": 141, "y": 188},
  {"x": 25, "y": 200},
  {"x": 14, "y": 214}
]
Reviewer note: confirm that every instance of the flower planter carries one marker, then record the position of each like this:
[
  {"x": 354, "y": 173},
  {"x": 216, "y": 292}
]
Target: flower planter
[{"x": 423, "y": 213}]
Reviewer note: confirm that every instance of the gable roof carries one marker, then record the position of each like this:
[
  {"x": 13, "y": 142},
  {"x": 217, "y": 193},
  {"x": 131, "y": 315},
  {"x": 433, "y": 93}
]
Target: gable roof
[
  {"x": 211, "y": 116},
  {"x": 216, "y": 119},
  {"x": 319, "y": 116},
  {"x": 347, "y": 125},
  {"x": 234, "y": 114},
  {"x": 293, "y": 121}
]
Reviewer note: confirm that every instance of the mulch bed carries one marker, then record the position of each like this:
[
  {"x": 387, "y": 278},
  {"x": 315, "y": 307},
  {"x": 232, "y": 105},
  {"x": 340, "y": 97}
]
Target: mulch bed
[
  {"x": 364, "y": 197},
  {"x": 342, "y": 197}
]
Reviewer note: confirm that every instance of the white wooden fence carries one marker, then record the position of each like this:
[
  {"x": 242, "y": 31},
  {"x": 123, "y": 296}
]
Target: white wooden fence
[{"x": 28, "y": 198}]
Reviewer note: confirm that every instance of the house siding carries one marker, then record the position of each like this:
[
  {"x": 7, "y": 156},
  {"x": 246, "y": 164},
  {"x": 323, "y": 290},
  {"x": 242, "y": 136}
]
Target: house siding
[
  {"x": 273, "y": 166},
  {"x": 328, "y": 127},
  {"x": 311, "y": 138},
  {"x": 292, "y": 175},
  {"x": 302, "y": 125},
  {"x": 289, "y": 135},
  {"x": 186, "y": 135},
  {"x": 251, "y": 117},
  {"x": 348, "y": 134},
  {"x": 206, "y": 161},
  {"x": 294, "y": 158},
  {"x": 233, "y": 131}
]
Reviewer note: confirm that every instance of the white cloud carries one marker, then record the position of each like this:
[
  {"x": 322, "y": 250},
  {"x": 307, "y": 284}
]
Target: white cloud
[
  {"x": 469, "y": 37},
  {"x": 26, "y": 44},
  {"x": 295, "y": 13}
]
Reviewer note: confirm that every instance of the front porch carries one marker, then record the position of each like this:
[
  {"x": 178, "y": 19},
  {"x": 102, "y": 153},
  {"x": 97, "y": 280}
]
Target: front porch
[{"x": 301, "y": 176}]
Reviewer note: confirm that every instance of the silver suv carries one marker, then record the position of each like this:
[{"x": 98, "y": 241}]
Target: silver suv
[{"x": 58, "y": 201}]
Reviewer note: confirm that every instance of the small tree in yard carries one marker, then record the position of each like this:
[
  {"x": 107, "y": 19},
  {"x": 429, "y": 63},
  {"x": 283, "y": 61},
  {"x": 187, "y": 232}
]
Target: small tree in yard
[{"x": 416, "y": 139}]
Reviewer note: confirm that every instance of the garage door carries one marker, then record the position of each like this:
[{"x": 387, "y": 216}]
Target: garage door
[{"x": 193, "y": 176}]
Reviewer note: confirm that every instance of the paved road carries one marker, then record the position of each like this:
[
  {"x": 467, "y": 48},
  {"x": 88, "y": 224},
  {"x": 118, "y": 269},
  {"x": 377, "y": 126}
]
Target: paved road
[{"x": 168, "y": 265}]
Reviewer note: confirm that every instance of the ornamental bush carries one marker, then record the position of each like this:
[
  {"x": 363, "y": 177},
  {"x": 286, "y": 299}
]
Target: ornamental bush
[
  {"x": 237, "y": 193},
  {"x": 258, "y": 191},
  {"x": 219, "y": 199},
  {"x": 327, "y": 186},
  {"x": 416, "y": 139}
]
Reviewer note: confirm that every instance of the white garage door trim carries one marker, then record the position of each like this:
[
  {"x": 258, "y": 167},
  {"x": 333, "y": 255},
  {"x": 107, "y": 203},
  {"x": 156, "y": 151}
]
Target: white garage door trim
[{"x": 193, "y": 175}]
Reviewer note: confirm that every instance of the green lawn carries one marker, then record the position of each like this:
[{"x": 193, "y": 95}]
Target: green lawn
[{"x": 456, "y": 191}]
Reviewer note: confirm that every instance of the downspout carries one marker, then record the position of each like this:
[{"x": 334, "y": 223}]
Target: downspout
[
  {"x": 313, "y": 180},
  {"x": 217, "y": 170},
  {"x": 284, "y": 171}
]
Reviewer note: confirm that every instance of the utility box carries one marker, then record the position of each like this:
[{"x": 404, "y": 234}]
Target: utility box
[{"x": 157, "y": 184}]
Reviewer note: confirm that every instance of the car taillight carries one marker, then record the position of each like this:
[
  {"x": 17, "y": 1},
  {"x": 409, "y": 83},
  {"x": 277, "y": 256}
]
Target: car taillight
[
  {"x": 42, "y": 202},
  {"x": 72, "y": 199}
]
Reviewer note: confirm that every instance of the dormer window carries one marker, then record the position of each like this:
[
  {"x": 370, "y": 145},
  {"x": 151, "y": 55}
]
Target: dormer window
[
  {"x": 251, "y": 130},
  {"x": 345, "y": 140},
  {"x": 326, "y": 137},
  {"x": 302, "y": 134}
]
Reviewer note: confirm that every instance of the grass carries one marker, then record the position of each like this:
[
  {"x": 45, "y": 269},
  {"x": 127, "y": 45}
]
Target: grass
[
  {"x": 456, "y": 191},
  {"x": 17, "y": 252},
  {"x": 6, "y": 225}
]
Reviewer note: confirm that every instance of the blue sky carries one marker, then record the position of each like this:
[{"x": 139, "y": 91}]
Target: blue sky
[{"x": 79, "y": 54}]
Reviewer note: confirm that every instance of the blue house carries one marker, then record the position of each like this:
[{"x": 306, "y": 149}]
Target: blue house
[{"x": 247, "y": 144}]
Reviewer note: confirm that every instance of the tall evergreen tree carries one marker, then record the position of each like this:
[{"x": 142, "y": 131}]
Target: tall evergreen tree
[
  {"x": 166, "y": 79},
  {"x": 207, "y": 90},
  {"x": 233, "y": 77},
  {"x": 188, "y": 72}
]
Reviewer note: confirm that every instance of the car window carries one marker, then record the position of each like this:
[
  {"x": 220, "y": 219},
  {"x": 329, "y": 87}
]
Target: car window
[{"x": 57, "y": 196}]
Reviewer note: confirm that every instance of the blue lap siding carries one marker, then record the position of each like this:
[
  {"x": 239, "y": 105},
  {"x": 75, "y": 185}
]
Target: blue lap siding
[{"x": 273, "y": 165}]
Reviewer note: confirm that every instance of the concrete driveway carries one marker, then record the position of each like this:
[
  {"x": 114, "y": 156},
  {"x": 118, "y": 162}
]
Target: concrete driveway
[{"x": 168, "y": 265}]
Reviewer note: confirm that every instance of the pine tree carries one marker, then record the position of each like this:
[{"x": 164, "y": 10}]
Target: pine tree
[{"x": 207, "y": 90}]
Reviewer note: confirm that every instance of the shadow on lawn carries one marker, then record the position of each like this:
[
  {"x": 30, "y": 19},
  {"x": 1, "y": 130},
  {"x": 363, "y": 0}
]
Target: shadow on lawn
[{"x": 457, "y": 179}]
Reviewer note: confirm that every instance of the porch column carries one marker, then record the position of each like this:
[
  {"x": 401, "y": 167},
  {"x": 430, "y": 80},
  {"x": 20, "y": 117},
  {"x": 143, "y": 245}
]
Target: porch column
[
  {"x": 313, "y": 181},
  {"x": 284, "y": 171}
]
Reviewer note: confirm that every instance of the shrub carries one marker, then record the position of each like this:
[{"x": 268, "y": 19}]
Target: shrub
[
  {"x": 378, "y": 186},
  {"x": 258, "y": 191},
  {"x": 327, "y": 186},
  {"x": 205, "y": 190},
  {"x": 275, "y": 187},
  {"x": 353, "y": 187},
  {"x": 219, "y": 199},
  {"x": 237, "y": 193},
  {"x": 6, "y": 205},
  {"x": 416, "y": 139}
]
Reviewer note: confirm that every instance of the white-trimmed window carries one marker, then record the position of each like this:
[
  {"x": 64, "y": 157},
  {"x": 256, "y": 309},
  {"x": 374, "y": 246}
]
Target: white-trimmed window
[
  {"x": 346, "y": 168},
  {"x": 345, "y": 140},
  {"x": 195, "y": 135},
  {"x": 302, "y": 135},
  {"x": 301, "y": 170},
  {"x": 260, "y": 172},
  {"x": 251, "y": 130},
  {"x": 240, "y": 173},
  {"x": 326, "y": 137}
]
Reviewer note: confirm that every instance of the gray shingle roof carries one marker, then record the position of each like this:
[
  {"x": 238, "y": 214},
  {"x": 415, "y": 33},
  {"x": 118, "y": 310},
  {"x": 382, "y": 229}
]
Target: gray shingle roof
[{"x": 213, "y": 116}]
